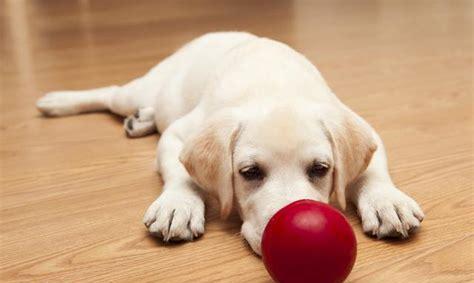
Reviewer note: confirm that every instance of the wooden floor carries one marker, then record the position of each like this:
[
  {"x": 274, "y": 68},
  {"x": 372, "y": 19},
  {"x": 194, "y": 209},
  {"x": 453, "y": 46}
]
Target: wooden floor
[{"x": 73, "y": 190}]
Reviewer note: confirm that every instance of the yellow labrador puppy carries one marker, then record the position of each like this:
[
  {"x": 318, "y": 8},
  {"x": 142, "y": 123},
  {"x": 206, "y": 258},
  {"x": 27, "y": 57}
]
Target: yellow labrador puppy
[{"x": 252, "y": 122}]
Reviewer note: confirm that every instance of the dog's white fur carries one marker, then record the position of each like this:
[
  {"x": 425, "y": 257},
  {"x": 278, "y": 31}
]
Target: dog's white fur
[{"x": 231, "y": 100}]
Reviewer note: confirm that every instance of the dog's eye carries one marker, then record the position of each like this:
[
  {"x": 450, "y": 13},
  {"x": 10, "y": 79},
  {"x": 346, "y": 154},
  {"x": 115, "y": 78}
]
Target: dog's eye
[
  {"x": 317, "y": 169},
  {"x": 252, "y": 173}
]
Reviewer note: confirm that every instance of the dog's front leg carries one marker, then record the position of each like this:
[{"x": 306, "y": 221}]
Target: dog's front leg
[
  {"x": 178, "y": 213},
  {"x": 385, "y": 211}
]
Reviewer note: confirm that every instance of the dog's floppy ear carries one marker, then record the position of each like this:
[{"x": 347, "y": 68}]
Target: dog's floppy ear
[
  {"x": 353, "y": 145},
  {"x": 207, "y": 156}
]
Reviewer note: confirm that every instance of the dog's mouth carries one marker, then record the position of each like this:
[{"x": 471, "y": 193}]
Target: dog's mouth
[{"x": 253, "y": 237}]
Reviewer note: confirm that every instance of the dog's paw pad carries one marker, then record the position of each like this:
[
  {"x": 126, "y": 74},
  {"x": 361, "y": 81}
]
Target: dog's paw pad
[{"x": 140, "y": 124}]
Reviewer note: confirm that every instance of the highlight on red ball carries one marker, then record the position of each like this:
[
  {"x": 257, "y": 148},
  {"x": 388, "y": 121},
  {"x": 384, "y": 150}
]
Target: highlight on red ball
[{"x": 309, "y": 241}]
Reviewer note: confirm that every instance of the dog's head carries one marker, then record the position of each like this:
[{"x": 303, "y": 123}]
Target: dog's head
[{"x": 264, "y": 160}]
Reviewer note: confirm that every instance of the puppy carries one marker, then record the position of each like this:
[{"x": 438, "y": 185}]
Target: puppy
[{"x": 251, "y": 122}]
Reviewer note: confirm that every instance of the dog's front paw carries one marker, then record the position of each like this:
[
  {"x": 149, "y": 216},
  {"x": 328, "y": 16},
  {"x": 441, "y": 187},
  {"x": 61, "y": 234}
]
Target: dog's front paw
[
  {"x": 175, "y": 216},
  {"x": 387, "y": 212}
]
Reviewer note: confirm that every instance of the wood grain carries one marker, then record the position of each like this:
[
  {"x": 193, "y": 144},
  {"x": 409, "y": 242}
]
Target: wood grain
[{"x": 74, "y": 189}]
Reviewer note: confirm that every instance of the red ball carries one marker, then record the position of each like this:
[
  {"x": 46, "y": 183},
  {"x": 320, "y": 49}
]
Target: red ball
[{"x": 308, "y": 241}]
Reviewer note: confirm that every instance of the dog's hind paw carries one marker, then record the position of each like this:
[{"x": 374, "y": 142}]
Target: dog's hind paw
[{"x": 140, "y": 124}]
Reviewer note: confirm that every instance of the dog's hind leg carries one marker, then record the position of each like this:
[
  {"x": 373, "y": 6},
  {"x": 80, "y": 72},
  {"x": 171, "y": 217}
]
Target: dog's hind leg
[
  {"x": 62, "y": 103},
  {"x": 122, "y": 100}
]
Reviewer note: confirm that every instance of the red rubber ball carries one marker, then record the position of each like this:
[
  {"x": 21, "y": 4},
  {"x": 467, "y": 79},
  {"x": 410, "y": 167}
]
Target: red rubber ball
[{"x": 308, "y": 241}]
